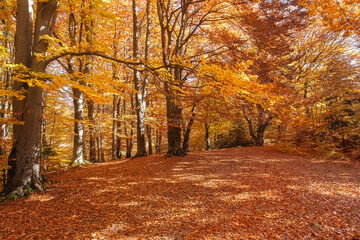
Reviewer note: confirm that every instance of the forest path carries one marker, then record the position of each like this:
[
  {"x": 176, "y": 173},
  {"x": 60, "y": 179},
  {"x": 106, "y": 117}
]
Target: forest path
[{"x": 238, "y": 193}]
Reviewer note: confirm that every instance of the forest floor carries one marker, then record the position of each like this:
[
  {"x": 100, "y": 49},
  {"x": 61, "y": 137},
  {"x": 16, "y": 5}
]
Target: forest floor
[{"x": 238, "y": 193}]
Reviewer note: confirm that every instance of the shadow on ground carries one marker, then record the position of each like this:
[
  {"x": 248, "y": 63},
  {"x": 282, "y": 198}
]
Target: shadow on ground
[{"x": 240, "y": 193}]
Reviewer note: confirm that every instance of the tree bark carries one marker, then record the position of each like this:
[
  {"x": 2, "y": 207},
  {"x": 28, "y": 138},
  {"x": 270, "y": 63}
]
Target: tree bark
[
  {"x": 26, "y": 172},
  {"x": 140, "y": 103},
  {"x": 129, "y": 134},
  {"x": 88, "y": 70},
  {"x": 78, "y": 149},
  {"x": 119, "y": 131},
  {"x": 44, "y": 142},
  {"x": 158, "y": 142},
  {"x": 148, "y": 132},
  {"x": 174, "y": 115},
  {"x": 207, "y": 137},
  {"x": 257, "y": 132},
  {"x": 115, "y": 120},
  {"x": 92, "y": 137},
  {"x": 186, "y": 140},
  {"x": 146, "y": 75},
  {"x": 100, "y": 136}
]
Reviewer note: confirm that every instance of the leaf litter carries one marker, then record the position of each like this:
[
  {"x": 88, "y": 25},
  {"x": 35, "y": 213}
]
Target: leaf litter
[{"x": 238, "y": 193}]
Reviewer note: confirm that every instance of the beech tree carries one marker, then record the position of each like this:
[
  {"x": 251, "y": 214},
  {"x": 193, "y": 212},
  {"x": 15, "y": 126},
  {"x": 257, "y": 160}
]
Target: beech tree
[
  {"x": 24, "y": 160},
  {"x": 179, "y": 22},
  {"x": 165, "y": 70}
]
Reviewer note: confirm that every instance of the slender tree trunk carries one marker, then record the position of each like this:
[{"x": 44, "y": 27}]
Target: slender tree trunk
[
  {"x": 139, "y": 95},
  {"x": 128, "y": 153},
  {"x": 207, "y": 137},
  {"x": 92, "y": 137},
  {"x": 158, "y": 141},
  {"x": 129, "y": 130},
  {"x": 119, "y": 131},
  {"x": 148, "y": 131},
  {"x": 26, "y": 172},
  {"x": 101, "y": 154},
  {"x": 132, "y": 127},
  {"x": 98, "y": 144},
  {"x": 186, "y": 141},
  {"x": 146, "y": 75},
  {"x": 114, "y": 148},
  {"x": 90, "y": 103},
  {"x": 78, "y": 149},
  {"x": 78, "y": 100}
]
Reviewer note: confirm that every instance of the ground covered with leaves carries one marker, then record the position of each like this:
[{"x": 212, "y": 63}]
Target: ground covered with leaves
[{"x": 239, "y": 193}]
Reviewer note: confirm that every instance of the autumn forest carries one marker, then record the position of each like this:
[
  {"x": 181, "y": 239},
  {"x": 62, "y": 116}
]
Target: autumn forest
[{"x": 84, "y": 82}]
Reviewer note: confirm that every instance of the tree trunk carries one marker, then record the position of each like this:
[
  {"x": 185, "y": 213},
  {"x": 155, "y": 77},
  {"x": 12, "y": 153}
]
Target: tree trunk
[
  {"x": 188, "y": 130},
  {"x": 158, "y": 142},
  {"x": 26, "y": 172},
  {"x": 257, "y": 139},
  {"x": 119, "y": 131},
  {"x": 44, "y": 142},
  {"x": 78, "y": 150},
  {"x": 174, "y": 118},
  {"x": 101, "y": 154},
  {"x": 129, "y": 136},
  {"x": 257, "y": 135},
  {"x": 174, "y": 115},
  {"x": 92, "y": 137},
  {"x": 140, "y": 103},
  {"x": 89, "y": 24},
  {"x": 148, "y": 131},
  {"x": 114, "y": 148},
  {"x": 207, "y": 137}
]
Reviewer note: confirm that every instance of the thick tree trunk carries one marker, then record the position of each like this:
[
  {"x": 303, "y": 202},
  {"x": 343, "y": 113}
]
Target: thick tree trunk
[
  {"x": 26, "y": 172},
  {"x": 258, "y": 134},
  {"x": 174, "y": 128},
  {"x": 174, "y": 116},
  {"x": 78, "y": 149},
  {"x": 173, "y": 108}
]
